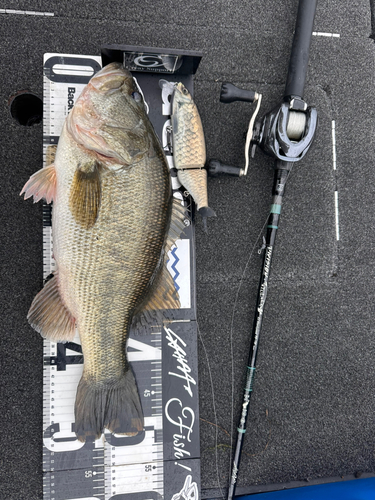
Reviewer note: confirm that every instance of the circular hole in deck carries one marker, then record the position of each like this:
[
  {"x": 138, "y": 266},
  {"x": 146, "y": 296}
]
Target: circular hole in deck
[{"x": 26, "y": 108}]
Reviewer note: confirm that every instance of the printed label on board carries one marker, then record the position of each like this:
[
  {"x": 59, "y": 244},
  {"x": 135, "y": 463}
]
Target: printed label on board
[{"x": 155, "y": 63}]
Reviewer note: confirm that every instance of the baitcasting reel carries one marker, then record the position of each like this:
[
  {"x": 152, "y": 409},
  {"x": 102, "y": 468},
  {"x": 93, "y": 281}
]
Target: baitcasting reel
[{"x": 285, "y": 133}]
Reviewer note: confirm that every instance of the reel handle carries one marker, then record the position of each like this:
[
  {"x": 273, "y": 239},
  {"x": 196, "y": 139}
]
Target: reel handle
[{"x": 231, "y": 93}]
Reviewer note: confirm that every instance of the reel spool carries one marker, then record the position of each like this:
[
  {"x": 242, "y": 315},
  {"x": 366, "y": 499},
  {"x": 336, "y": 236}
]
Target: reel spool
[{"x": 296, "y": 125}]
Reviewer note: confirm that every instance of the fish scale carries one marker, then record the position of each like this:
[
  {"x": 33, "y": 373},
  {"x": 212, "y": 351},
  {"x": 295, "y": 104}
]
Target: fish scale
[
  {"x": 124, "y": 278},
  {"x": 113, "y": 276},
  {"x": 191, "y": 150}
]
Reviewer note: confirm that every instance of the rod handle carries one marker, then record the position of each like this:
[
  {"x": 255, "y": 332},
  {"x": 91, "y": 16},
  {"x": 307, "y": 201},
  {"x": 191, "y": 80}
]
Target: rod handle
[{"x": 299, "y": 56}]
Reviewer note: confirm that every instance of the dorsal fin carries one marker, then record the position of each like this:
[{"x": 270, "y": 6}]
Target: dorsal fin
[{"x": 177, "y": 225}]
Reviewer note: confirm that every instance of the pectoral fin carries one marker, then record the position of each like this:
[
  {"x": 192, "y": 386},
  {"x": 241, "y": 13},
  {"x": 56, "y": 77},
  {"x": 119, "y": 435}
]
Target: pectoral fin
[
  {"x": 85, "y": 194},
  {"x": 42, "y": 184}
]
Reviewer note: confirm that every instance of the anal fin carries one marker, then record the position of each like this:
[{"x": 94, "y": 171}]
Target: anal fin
[{"x": 49, "y": 316}]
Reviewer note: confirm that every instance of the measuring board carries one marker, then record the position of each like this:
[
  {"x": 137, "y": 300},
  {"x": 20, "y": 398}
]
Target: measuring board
[{"x": 162, "y": 461}]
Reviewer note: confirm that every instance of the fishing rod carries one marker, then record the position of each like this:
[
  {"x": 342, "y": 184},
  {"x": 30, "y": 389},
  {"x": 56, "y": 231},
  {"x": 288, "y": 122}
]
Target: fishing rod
[{"x": 285, "y": 133}]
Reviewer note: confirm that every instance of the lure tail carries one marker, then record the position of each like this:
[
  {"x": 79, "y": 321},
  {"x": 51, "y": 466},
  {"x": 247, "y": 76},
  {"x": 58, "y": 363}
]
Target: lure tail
[{"x": 112, "y": 404}]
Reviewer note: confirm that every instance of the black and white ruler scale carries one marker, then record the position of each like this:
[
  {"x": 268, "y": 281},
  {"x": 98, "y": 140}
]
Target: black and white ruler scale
[{"x": 162, "y": 461}]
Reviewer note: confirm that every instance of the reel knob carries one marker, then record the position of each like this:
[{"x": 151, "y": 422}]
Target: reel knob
[
  {"x": 231, "y": 93},
  {"x": 215, "y": 168}
]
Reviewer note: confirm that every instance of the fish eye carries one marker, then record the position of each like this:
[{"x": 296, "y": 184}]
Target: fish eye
[
  {"x": 185, "y": 91},
  {"x": 137, "y": 96}
]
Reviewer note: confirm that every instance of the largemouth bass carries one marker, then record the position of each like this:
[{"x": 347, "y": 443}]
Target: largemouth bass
[
  {"x": 189, "y": 149},
  {"x": 113, "y": 221}
]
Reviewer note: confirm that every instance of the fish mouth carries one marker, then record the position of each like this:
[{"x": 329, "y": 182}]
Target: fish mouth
[{"x": 111, "y": 78}]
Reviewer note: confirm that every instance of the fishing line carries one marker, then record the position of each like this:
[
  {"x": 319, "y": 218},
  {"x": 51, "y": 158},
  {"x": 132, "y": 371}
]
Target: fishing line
[
  {"x": 231, "y": 350},
  {"x": 232, "y": 362},
  {"x": 214, "y": 408},
  {"x": 231, "y": 336},
  {"x": 231, "y": 329}
]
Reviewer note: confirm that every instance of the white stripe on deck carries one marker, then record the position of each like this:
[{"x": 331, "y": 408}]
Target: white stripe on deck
[
  {"x": 26, "y": 12},
  {"x": 334, "y": 144},
  {"x": 334, "y": 156},
  {"x": 329, "y": 35}
]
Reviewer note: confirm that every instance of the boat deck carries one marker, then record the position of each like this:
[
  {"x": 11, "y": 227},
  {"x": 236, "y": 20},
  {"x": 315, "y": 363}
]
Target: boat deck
[{"x": 312, "y": 413}]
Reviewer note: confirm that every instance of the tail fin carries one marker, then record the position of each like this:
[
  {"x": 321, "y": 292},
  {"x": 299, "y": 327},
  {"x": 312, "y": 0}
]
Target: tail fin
[{"x": 114, "y": 405}]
